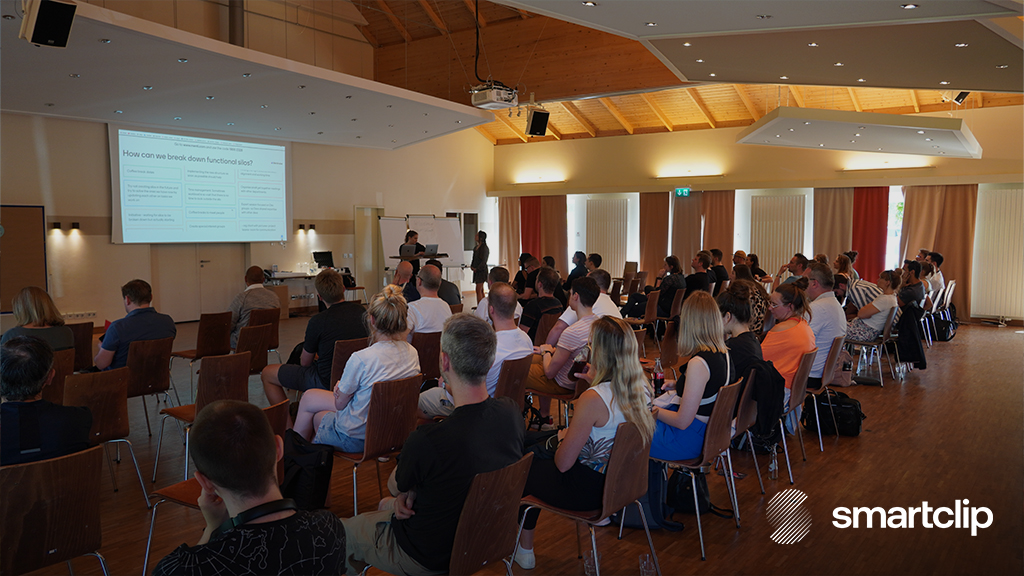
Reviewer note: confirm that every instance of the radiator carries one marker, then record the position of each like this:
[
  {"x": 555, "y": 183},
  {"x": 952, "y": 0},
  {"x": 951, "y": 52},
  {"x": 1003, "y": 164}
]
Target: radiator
[
  {"x": 606, "y": 232},
  {"x": 776, "y": 229},
  {"x": 997, "y": 281}
]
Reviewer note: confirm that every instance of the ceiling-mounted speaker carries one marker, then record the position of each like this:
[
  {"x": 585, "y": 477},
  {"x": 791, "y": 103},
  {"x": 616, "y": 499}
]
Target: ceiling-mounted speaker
[
  {"x": 47, "y": 22},
  {"x": 537, "y": 122}
]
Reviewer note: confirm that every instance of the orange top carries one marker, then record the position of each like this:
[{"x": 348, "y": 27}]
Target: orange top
[{"x": 786, "y": 347}]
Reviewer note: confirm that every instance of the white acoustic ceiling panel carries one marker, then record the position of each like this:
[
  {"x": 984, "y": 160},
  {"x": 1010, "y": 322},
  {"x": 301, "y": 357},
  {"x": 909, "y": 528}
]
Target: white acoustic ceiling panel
[{"x": 863, "y": 132}]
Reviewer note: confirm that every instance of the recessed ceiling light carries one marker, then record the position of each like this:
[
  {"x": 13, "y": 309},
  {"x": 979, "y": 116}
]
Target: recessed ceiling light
[
  {"x": 908, "y": 6},
  {"x": 712, "y": 74},
  {"x": 1001, "y": 66},
  {"x": 391, "y": 125},
  {"x": 941, "y": 152},
  {"x": 792, "y": 129},
  {"x": 425, "y": 132},
  {"x": 278, "y": 128},
  {"x": 231, "y": 123},
  {"x": 389, "y": 106},
  {"x": 778, "y": 135},
  {"x": 8, "y": 17},
  {"x": 812, "y": 44},
  {"x": 861, "y": 127},
  {"x": 354, "y": 119},
  {"x": 358, "y": 136},
  {"x": 687, "y": 44},
  {"x": 393, "y": 141},
  {"x": 699, "y": 60},
  {"x": 263, "y": 105},
  {"x": 48, "y": 104},
  {"x": 209, "y": 97},
  {"x": 763, "y": 16},
  {"x": 246, "y": 75},
  {"x": 860, "y": 79},
  {"x": 147, "y": 87},
  {"x": 650, "y": 24},
  {"x": 961, "y": 44},
  {"x": 944, "y": 82},
  {"x": 75, "y": 75},
  {"x": 927, "y": 139},
  {"x": 852, "y": 141},
  {"x": 806, "y": 123},
  {"x": 857, "y": 134},
  {"x": 767, "y": 141},
  {"x": 879, "y": 149},
  {"x": 177, "y": 117},
  {"x": 426, "y": 114},
  {"x": 936, "y": 146},
  {"x": 118, "y": 111},
  {"x": 312, "y": 113},
  {"x": 590, "y": 4},
  {"x": 838, "y": 64},
  {"x": 104, "y": 40},
  {"x": 319, "y": 132},
  {"x": 183, "y": 60},
  {"x": 302, "y": 86},
  {"x": 920, "y": 131},
  {"x": 349, "y": 97},
  {"x": 458, "y": 121},
  {"x": 820, "y": 145},
  {"x": 783, "y": 77}
]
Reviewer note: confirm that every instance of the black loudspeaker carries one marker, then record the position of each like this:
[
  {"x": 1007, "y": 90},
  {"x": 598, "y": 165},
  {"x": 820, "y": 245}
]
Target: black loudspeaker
[
  {"x": 537, "y": 122},
  {"x": 47, "y": 22}
]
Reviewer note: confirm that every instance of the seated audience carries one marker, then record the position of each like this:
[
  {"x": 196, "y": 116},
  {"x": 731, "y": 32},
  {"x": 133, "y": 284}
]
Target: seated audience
[
  {"x": 823, "y": 258},
  {"x": 37, "y": 315},
  {"x": 912, "y": 291},
  {"x": 843, "y": 265},
  {"x": 852, "y": 255},
  {"x": 679, "y": 434},
  {"x": 603, "y": 307},
  {"x": 428, "y": 314},
  {"x": 551, "y": 372},
  {"x": 739, "y": 258},
  {"x": 545, "y": 302},
  {"x": 447, "y": 291},
  {"x": 760, "y": 302},
  {"x": 797, "y": 264},
  {"x": 142, "y": 322},
  {"x": 250, "y": 528},
  {"x": 936, "y": 281},
  {"x": 870, "y": 320},
  {"x": 529, "y": 292},
  {"x": 721, "y": 274},
  {"x": 827, "y": 319},
  {"x": 791, "y": 337},
  {"x": 339, "y": 417},
  {"x": 519, "y": 283},
  {"x": 413, "y": 533},
  {"x": 513, "y": 344},
  {"x": 496, "y": 275},
  {"x": 593, "y": 262},
  {"x": 672, "y": 279},
  {"x": 860, "y": 293},
  {"x": 340, "y": 321},
  {"x": 755, "y": 268},
  {"x": 922, "y": 254},
  {"x": 254, "y": 297},
  {"x": 619, "y": 393},
  {"x": 406, "y": 282},
  {"x": 31, "y": 428},
  {"x": 579, "y": 269},
  {"x": 744, "y": 346},
  {"x": 699, "y": 280}
]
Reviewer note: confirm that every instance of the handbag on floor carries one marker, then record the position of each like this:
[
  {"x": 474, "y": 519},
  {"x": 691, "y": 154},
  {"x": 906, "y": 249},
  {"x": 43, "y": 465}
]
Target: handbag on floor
[
  {"x": 848, "y": 413},
  {"x": 307, "y": 471},
  {"x": 680, "y": 495},
  {"x": 656, "y": 509}
]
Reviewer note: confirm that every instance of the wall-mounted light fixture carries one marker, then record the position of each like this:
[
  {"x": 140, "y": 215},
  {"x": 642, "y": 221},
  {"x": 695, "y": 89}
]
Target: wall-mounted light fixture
[
  {"x": 55, "y": 226},
  {"x": 302, "y": 226},
  {"x": 75, "y": 226},
  {"x": 312, "y": 226}
]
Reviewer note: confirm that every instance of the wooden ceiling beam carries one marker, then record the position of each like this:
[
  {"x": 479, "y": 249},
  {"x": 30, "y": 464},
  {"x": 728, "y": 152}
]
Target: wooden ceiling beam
[
  {"x": 433, "y": 16},
  {"x": 504, "y": 120},
  {"x": 487, "y": 135},
  {"x": 658, "y": 111},
  {"x": 913, "y": 98},
  {"x": 554, "y": 131},
  {"x": 979, "y": 101},
  {"x": 523, "y": 14},
  {"x": 365, "y": 30},
  {"x": 472, "y": 10},
  {"x": 617, "y": 114},
  {"x": 575, "y": 112},
  {"x": 394, "y": 20},
  {"x": 856, "y": 101},
  {"x": 695, "y": 96},
  {"x": 747, "y": 102},
  {"x": 797, "y": 96}
]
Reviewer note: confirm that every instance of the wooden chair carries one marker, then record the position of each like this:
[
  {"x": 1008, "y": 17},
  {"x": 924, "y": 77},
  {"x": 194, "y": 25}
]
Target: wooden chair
[
  {"x": 456, "y": 308},
  {"x": 565, "y": 399},
  {"x": 83, "y": 344},
  {"x": 544, "y": 325},
  {"x": 255, "y": 339},
  {"x": 669, "y": 349},
  {"x": 642, "y": 276},
  {"x": 391, "y": 418},
  {"x": 797, "y": 393},
  {"x": 50, "y": 512},
  {"x": 746, "y": 417},
  {"x": 641, "y": 342},
  {"x": 214, "y": 339},
  {"x": 616, "y": 292},
  {"x": 428, "y": 346},
  {"x": 105, "y": 394},
  {"x": 634, "y": 287},
  {"x": 628, "y": 271},
  {"x": 716, "y": 443},
  {"x": 826, "y": 378},
  {"x": 64, "y": 366},
  {"x": 676, "y": 307},
  {"x": 343, "y": 350},
  {"x": 512, "y": 380},
  {"x": 878, "y": 345},
  {"x": 625, "y": 483},
  {"x": 149, "y": 371},
  {"x": 487, "y": 523},
  {"x": 220, "y": 378},
  {"x": 650, "y": 312},
  {"x": 186, "y": 493},
  {"x": 270, "y": 316}
]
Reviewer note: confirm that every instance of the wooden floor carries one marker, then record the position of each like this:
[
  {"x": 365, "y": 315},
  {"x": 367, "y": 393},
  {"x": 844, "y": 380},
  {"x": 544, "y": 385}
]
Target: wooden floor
[{"x": 951, "y": 432}]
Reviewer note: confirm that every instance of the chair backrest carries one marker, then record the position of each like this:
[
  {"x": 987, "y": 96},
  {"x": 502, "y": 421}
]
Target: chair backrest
[
  {"x": 641, "y": 336},
  {"x": 544, "y": 326},
  {"x": 223, "y": 377},
  {"x": 486, "y": 531},
  {"x": 677, "y": 303},
  {"x": 634, "y": 286},
  {"x": 105, "y": 394},
  {"x": 711, "y": 287},
  {"x": 343, "y": 350},
  {"x": 456, "y": 308},
  {"x": 889, "y": 321},
  {"x": 630, "y": 269},
  {"x": 214, "y": 338},
  {"x": 626, "y": 474},
  {"x": 832, "y": 360},
  {"x": 512, "y": 380},
  {"x": 270, "y": 316},
  {"x": 651, "y": 312},
  {"x": 746, "y": 409},
  {"x": 278, "y": 417},
  {"x": 83, "y": 344},
  {"x": 392, "y": 415},
  {"x": 950, "y": 289},
  {"x": 254, "y": 340},
  {"x": 718, "y": 433},
  {"x": 642, "y": 276},
  {"x": 50, "y": 511},
  {"x": 428, "y": 346},
  {"x": 63, "y": 365},
  {"x": 616, "y": 292},
  {"x": 799, "y": 388},
  {"x": 938, "y": 301},
  {"x": 149, "y": 364}
]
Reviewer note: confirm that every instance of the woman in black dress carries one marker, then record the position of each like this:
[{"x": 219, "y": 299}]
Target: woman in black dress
[
  {"x": 412, "y": 238},
  {"x": 479, "y": 264}
]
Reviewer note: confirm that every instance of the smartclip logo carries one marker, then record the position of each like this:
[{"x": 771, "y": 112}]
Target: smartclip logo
[
  {"x": 959, "y": 516},
  {"x": 788, "y": 515}
]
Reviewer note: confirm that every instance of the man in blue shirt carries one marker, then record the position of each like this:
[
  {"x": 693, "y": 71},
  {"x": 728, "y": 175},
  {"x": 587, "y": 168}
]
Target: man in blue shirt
[{"x": 142, "y": 322}]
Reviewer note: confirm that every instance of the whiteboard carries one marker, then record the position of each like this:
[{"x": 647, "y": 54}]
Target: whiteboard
[
  {"x": 449, "y": 240},
  {"x": 392, "y": 235}
]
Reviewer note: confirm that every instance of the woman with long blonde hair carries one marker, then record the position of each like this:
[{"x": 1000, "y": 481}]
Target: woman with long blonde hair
[
  {"x": 619, "y": 393},
  {"x": 38, "y": 316},
  {"x": 679, "y": 434}
]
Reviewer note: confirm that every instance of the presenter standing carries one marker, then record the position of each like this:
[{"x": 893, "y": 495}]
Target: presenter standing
[
  {"x": 412, "y": 239},
  {"x": 479, "y": 264}
]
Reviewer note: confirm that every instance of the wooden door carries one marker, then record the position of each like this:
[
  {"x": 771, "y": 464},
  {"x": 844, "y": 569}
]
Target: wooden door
[
  {"x": 175, "y": 269},
  {"x": 221, "y": 275}
]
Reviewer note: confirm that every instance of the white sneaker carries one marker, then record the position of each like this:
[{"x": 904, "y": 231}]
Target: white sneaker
[
  {"x": 526, "y": 559},
  {"x": 548, "y": 427}
]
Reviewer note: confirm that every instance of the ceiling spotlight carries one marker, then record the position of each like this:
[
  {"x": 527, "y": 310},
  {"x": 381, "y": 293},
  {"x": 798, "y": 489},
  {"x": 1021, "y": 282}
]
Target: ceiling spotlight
[
  {"x": 778, "y": 135},
  {"x": 1001, "y": 66},
  {"x": 783, "y": 77},
  {"x": 393, "y": 141},
  {"x": 49, "y": 104},
  {"x": 936, "y": 146},
  {"x": 879, "y": 149},
  {"x": 425, "y": 132},
  {"x": 806, "y": 123},
  {"x": 183, "y": 60},
  {"x": 458, "y": 121},
  {"x": 209, "y": 97},
  {"x": 927, "y": 139},
  {"x": 8, "y": 17},
  {"x": 246, "y": 75},
  {"x": 102, "y": 40},
  {"x": 147, "y": 87},
  {"x": 118, "y": 111},
  {"x": 349, "y": 97},
  {"x": 961, "y": 44},
  {"x": 861, "y": 127},
  {"x": 55, "y": 226},
  {"x": 857, "y": 134},
  {"x": 319, "y": 132},
  {"x": 312, "y": 226},
  {"x": 860, "y": 79},
  {"x": 792, "y": 129},
  {"x": 941, "y": 152},
  {"x": 820, "y": 145},
  {"x": 944, "y": 82},
  {"x": 838, "y": 64},
  {"x": 763, "y": 16},
  {"x": 312, "y": 113},
  {"x": 389, "y": 106},
  {"x": 263, "y": 105},
  {"x": 231, "y": 123},
  {"x": 75, "y": 75},
  {"x": 302, "y": 86},
  {"x": 813, "y": 44},
  {"x": 650, "y": 24},
  {"x": 278, "y": 128},
  {"x": 353, "y": 120},
  {"x": 509, "y": 115},
  {"x": 699, "y": 60},
  {"x": 590, "y": 4},
  {"x": 358, "y": 136},
  {"x": 426, "y": 114},
  {"x": 920, "y": 131},
  {"x": 712, "y": 74},
  {"x": 852, "y": 141},
  {"x": 302, "y": 226},
  {"x": 908, "y": 6},
  {"x": 177, "y": 117},
  {"x": 687, "y": 44}
]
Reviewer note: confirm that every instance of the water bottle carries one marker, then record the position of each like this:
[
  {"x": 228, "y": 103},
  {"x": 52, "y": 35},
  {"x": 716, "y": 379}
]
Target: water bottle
[{"x": 659, "y": 377}]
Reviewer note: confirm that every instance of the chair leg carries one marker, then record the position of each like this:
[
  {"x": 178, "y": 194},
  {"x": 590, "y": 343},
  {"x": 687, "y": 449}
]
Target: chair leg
[
  {"x": 785, "y": 450},
  {"x": 103, "y": 561},
  {"x": 731, "y": 484},
  {"x": 835, "y": 423},
  {"x": 643, "y": 518},
  {"x": 817, "y": 421},
  {"x": 146, "y": 412},
  {"x": 71, "y": 569},
  {"x": 191, "y": 376},
  {"x": 519, "y": 533},
  {"x": 185, "y": 478},
  {"x": 593, "y": 548},
  {"x": 131, "y": 452},
  {"x": 355, "y": 492},
  {"x": 622, "y": 520},
  {"x": 149, "y": 540},
  {"x": 379, "y": 489},
  {"x": 750, "y": 442},
  {"x": 800, "y": 438},
  {"x": 113, "y": 477},
  {"x": 696, "y": 508},
  {"x": 159, "y": 445}
]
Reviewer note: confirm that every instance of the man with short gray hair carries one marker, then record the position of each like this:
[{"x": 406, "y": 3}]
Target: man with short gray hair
[
  {"x": 429, "y": 313},
  {"x": 828, "y": 321}
]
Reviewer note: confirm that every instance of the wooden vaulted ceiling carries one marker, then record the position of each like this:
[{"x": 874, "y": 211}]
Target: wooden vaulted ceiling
[{"x": 594, "y": 84}]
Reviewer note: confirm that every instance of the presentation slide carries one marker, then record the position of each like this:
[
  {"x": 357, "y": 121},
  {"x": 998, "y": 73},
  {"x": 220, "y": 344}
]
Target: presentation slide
[{"x": 187, "y": 189}]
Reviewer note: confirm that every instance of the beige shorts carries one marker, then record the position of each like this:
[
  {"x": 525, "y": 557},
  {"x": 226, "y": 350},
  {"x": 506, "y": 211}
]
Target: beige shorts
[
  {"x": 370, "y": 540},
  {"x": 436, "y": 402}
]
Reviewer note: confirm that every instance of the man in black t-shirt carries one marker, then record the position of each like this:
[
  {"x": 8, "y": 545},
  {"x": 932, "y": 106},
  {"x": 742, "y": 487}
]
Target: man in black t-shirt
[
  {"x": 530, "y": 285},
  {"x": 579, "y": 270},
  {"x": 721, "y": 274},
  {"x": 250, "y": 529},
  {"x": 414, "y": 532},
  {"x": 341, "y": 321},
  {"x": 544, "y": 303},
  {"x": 699, "y": 280}
]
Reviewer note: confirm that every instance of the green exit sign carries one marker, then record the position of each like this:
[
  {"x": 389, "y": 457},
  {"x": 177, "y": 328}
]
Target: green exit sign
[{"x": 681, "y": 192}]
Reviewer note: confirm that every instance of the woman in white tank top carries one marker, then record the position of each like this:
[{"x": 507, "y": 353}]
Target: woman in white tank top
[{"x": 574, "y": 480}]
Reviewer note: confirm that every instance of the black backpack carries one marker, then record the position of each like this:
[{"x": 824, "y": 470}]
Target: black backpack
[
  {"x": 654, "y": 502},
  {"x": 769, "y": 391},
  {"x": 307, "y": 471}
]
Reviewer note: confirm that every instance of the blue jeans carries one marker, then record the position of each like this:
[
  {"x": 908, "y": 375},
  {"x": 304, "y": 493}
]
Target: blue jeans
[{"x": 327, "y": 433}]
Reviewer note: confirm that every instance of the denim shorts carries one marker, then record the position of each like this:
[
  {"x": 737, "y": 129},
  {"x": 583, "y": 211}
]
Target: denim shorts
[{"x": 328, "y": 434}]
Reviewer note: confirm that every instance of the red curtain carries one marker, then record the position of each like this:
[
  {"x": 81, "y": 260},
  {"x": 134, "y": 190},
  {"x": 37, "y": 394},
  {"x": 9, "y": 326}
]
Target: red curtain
[
  {"x": 870, "y": 226},
  {"x": 529, "y": 218}
]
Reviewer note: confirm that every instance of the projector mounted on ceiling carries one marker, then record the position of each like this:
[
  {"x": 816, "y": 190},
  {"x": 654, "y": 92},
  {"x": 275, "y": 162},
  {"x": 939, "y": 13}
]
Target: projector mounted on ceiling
[{"x": 494, "y": 96}]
